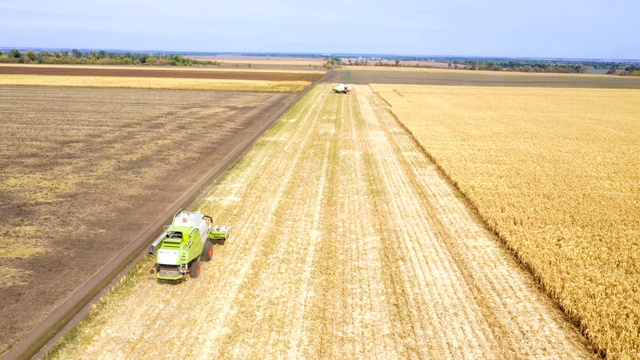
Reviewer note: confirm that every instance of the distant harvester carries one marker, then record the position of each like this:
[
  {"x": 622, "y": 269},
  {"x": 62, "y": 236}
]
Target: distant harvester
[{"x": 340, "y": 88}]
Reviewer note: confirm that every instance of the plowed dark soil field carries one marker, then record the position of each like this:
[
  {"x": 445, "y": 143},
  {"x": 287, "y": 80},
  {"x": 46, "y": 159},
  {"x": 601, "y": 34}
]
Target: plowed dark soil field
[{"x": 85, "y": 171}]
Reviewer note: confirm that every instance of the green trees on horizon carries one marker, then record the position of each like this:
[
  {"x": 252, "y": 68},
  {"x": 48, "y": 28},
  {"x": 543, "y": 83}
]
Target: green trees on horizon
[{"x": 98, "y": 57}]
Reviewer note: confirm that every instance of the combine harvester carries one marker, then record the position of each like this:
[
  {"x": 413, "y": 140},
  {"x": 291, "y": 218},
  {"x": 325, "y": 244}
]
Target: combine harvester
[
  {"x": 340, "y": 88},
  {"x": 189, "y": 239}
]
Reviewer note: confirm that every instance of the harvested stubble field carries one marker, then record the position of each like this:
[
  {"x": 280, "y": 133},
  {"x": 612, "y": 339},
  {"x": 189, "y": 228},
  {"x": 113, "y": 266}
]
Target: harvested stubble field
[
  {"x": 154, "y": 83},
  {"x": 347, "y": 243},
  {"x": 264, "y": 62},
  {"x": 84, "y": 171},
  {"x": 556, "y": 173}
]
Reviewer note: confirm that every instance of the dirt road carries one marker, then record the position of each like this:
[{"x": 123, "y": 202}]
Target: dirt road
[{"x": 346, "y": 244}]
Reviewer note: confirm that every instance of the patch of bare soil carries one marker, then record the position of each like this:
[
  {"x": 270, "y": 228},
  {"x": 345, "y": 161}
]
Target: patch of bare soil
[
  {"x": 346, "y": 244},
  {"x": 85, "y": 171}
]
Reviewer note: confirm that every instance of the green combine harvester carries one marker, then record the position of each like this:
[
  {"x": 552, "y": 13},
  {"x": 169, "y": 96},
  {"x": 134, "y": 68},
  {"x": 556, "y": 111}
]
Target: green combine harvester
[
  {"x": 340, "y": 89},
  {"x": 183, "y": 244}
]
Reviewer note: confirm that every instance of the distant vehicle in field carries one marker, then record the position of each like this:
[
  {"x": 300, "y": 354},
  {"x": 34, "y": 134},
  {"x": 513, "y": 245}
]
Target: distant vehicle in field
[{"x": 340, "y": 88}]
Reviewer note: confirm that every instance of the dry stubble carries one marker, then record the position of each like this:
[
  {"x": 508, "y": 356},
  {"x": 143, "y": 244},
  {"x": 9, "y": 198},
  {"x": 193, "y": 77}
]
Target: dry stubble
[{"x": 347, "y": 244}]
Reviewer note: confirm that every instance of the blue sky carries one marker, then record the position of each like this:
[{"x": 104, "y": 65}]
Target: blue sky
[{"x": 542, "y": 28}]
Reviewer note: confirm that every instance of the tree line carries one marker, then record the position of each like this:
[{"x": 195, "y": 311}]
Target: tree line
[
  {"x": 629, "y": 70},
  {"x": 521, "y": 66},
  {"x": 97, "y": 57},
  {"x": 517, "y": 65}
]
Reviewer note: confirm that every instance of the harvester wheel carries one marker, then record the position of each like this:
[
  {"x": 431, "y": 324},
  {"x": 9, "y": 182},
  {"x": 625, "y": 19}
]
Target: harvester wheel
[
  {"x": 207, "y": 253},
  {"x": 194, "y": 269}
]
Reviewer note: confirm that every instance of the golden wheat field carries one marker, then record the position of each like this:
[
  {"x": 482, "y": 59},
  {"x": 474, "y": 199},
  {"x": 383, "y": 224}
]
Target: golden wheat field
[
  {"x": 556, "y": 173},
  {"x": 154, "y": 83}
]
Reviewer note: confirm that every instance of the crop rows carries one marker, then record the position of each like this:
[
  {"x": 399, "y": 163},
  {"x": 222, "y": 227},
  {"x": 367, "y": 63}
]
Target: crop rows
[
  {"x": 555, "y": 173},
  {"x": 346, "y": 244},
  {"x": 162, "y": 83}
]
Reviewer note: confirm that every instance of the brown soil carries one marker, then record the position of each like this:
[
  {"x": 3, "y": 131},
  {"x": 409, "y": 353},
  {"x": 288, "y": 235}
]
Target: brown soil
[
  {"x": 348, "y": 244},
  {"x": 163, "y": 73},
  {"x": 483, "y": 78},
  {"x": 264, "y": 62},
  {"x": 85, "y": 171}
]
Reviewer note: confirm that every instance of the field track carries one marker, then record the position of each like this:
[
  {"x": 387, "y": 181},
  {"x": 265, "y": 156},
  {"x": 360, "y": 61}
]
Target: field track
[{"x": 347, "y": 244}]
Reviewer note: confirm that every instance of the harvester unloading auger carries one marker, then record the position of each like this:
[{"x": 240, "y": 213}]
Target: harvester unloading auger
[{"x": 184, "y": 243}]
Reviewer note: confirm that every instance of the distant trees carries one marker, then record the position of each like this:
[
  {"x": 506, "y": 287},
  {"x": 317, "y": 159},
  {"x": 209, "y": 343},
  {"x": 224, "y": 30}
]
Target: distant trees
[
  {"x": 332, "y": 63},
  {"x": 31, "y": 55},
  {"x": 524, "y": 66},
  {"x": 178, "y": 60},
  {"x": 359, "y": 62},
  {"x": 631, "y": 70},
  {"x": 501, "y": 64},
  {"x": 98, "y": 57}
]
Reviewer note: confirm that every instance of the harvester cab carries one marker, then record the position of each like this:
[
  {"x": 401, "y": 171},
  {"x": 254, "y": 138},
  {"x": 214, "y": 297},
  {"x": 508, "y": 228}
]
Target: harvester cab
[
  {"x": 183, "y": 244},
  {"x": 340, "y": 88}
]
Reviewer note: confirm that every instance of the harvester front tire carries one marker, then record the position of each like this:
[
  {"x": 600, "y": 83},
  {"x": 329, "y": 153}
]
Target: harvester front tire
[
  {"x": 207, "y": 252},
  {"x": 194, "y": 269}
]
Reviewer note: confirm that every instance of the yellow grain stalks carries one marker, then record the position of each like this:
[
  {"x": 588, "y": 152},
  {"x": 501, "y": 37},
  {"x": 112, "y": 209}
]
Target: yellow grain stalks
[
  {"x": 556, "y": 173},
  {"x": 154, "y": 83}
]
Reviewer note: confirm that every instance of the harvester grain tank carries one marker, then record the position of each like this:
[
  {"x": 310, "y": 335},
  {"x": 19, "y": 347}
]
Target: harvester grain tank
[{"x": 183, "y": 244}]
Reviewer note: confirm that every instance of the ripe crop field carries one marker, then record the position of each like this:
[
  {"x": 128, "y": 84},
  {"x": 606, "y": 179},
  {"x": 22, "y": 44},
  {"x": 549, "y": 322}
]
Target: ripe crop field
[
  {"x": 556, "y": 173},
  {"x": 84, "y": 171},
  {"x": 347, "y": 243}
]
